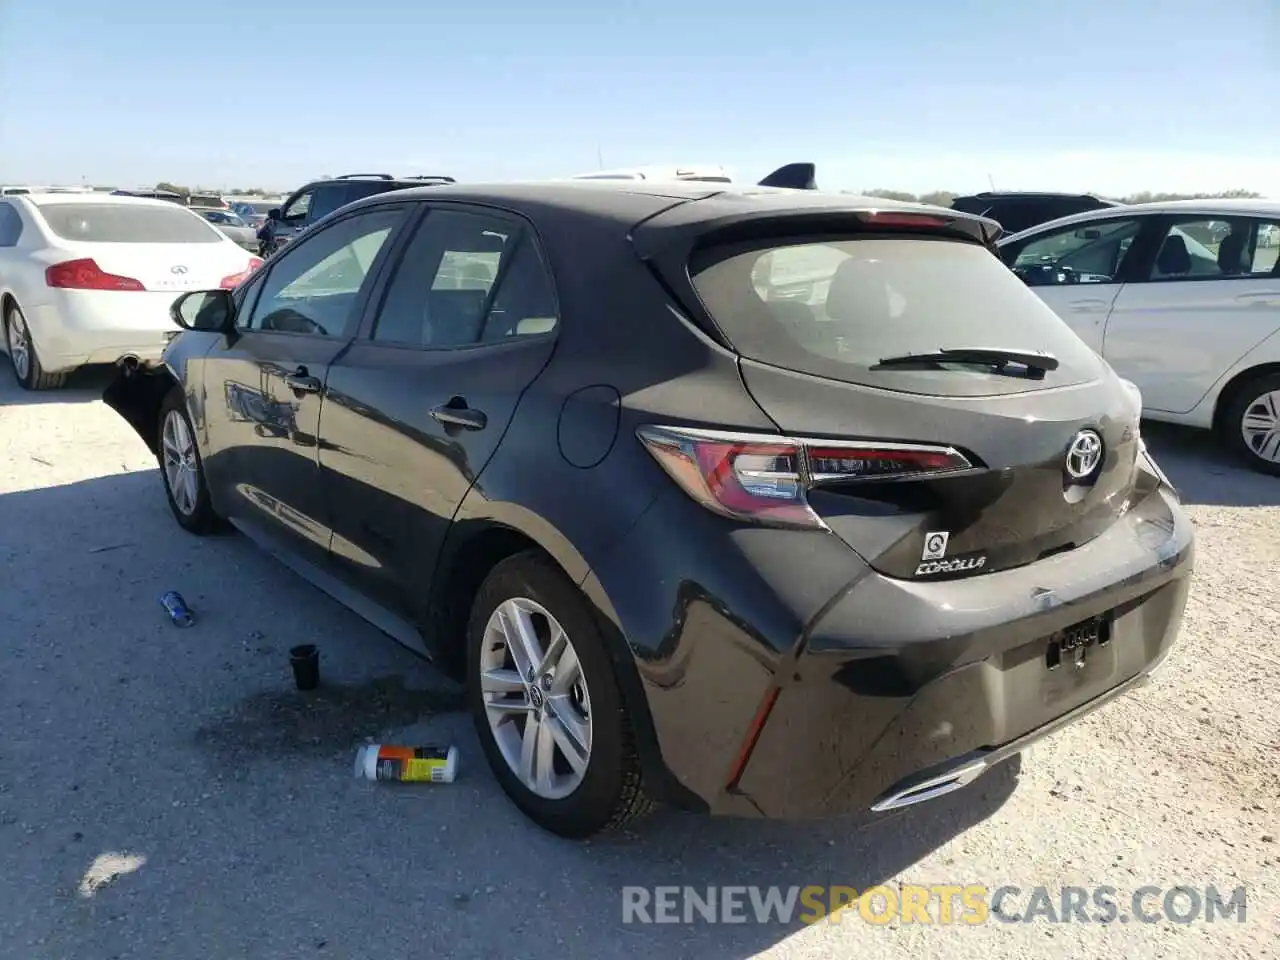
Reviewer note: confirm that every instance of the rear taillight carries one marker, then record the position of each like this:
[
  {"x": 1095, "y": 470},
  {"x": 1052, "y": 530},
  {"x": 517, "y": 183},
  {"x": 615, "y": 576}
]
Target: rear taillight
[
  {"x": 765, "y": 479},
  {"x": 85, "y": 274},
  {"x": 234, "y": 280}
]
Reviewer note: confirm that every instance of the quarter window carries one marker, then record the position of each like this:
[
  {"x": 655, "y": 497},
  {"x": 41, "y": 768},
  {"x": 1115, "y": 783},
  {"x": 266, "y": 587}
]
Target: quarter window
[
  {"x": 1090, "y": 252},
  {"x": 314, "y": 286},
  {"x": 465, "y": 279}
]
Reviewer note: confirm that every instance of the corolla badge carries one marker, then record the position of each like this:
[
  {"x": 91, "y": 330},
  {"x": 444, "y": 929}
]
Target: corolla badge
[{"x": 1084, "y": 454}]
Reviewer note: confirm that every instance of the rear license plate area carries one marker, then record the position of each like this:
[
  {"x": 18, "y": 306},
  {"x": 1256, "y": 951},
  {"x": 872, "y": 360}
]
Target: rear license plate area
[{"x": 1070, "y": 648}]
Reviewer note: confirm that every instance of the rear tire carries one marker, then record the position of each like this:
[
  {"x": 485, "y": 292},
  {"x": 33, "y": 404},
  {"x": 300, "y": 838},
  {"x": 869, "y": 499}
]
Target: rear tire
[
  {"x": 1251, "y": 424},
  {"x": 22, "y": 354},
  {"x": 572, "y": 705},
  {"x": 182, "y": 468}
]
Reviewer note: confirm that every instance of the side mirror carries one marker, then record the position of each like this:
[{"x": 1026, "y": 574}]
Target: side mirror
[
  {"x": 273, "y": 213},
  {"x": 211, "y": 311}
]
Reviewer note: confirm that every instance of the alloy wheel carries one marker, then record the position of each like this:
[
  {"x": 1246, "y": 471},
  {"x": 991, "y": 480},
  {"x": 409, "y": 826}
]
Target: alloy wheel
[
  {"x": 181, "y": 471},
  {"x": 19, "y": 345},
  {"x": 1260, "y": 426},
  {"x": 536, "y": 698}
]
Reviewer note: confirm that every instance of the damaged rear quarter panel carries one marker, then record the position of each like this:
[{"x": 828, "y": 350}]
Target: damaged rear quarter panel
[{"x": 136, "y": 395}]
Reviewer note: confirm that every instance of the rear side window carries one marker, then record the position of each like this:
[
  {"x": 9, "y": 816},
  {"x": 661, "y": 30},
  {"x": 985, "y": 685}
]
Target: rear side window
[
  {"x": 10, "y": 225},
  {"x": 126, "y": 223},
  {"x": 836, "y": 308}
]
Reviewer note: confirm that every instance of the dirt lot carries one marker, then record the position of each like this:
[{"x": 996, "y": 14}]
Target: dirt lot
[{"x": 165, "y": 793}]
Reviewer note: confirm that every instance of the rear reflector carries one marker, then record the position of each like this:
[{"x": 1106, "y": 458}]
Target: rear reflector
[
  {"x": 234, "y": 280},
  {"x": 765, "y": 479},
  {"x": 85, "y": 274}
]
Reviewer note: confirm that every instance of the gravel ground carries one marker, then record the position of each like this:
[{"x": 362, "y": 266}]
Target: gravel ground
[{"x": 165, "y": 793}]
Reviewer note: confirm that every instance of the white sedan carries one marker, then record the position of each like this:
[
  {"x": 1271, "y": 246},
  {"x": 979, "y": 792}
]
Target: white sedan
[
  {"x": 1182, "y": 298},
  {"x": 90, "y": 278}
]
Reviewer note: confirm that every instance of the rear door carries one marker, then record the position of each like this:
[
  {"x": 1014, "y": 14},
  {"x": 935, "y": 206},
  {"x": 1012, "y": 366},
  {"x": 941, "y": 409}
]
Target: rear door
[
  {"x": 1206, "y": 295},
  {"x": 1079, "y": 269},
  {"x": 265, "y": 386},
  {"x": 818, "y": 370},
  {"x": 418, "y": 405}
]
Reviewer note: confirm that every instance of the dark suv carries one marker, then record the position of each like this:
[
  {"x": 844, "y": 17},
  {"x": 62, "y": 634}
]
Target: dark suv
[
  {"x": 1021, "y": 211},
  {"x": 308, "y": 204}
]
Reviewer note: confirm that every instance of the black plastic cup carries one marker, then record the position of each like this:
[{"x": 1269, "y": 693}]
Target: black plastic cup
[{"x": 305, "y": 661}]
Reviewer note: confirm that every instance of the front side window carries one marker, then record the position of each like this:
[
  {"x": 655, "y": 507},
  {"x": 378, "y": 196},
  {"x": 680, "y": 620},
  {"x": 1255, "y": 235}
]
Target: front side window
[
  {"x": 1091, "y": 252},
  {"x": 296, "y": 212},
  {"x": 327, "y": 199},
  {"x": 314, "y": 286},
  {"x": 467, "y": 278}
]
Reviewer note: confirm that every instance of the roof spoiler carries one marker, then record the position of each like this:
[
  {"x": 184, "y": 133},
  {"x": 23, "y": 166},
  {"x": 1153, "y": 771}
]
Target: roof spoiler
[{"x": 793, "y": 176}]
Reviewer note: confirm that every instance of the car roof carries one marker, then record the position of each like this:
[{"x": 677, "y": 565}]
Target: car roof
[
  {"x": 633, "y": 200},
  {"x": 53, "y": 199},
  {"x": 1031, "y": 195},
  {"x": 1233, "y": 207}
]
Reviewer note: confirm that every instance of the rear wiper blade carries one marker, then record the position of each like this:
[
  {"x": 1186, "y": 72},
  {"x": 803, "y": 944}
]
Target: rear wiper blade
[{"x": 997, "y": 357}]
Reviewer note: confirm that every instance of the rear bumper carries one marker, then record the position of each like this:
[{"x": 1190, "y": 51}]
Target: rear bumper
[
  {"x": 81, "y": 327},
  {"x": 897, "y": 691}
]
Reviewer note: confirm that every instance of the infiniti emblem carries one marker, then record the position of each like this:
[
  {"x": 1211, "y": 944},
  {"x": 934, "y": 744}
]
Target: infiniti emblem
[
  {"x": 1084, "y": 454},
  {"x": 178, "y": 269}
]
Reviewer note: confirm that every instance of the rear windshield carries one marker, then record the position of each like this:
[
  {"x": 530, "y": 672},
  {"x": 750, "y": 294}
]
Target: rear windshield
[
  {"x": 126, "y": 223},
  {"x": 836, "y": 308}
]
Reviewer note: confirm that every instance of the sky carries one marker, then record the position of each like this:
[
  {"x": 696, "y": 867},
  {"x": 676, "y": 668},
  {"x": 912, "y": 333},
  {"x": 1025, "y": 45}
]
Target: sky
[{"x": 1112, "y": 96}]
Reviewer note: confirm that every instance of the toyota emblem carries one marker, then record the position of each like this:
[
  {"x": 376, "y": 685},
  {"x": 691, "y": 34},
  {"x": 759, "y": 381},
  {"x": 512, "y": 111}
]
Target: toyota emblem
[
  {"x": 179, "y": 269},
  {"x": 1084, "y": 455}
]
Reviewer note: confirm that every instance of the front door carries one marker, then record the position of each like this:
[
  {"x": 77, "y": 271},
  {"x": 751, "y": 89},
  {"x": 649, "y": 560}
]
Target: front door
[
  {"x": 1208, "y": 295},
  {"x": 418, "y": 405},
  {"x": 1078, "y": 270},
  {"x": 266, "y": 385}
]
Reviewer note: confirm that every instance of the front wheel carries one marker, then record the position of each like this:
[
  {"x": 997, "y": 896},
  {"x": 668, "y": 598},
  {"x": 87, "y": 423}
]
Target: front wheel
[
  {"x": 182, "y": 469},
  {"x": 546, "y": 703},
  {"x": 1251, "y": 424}
]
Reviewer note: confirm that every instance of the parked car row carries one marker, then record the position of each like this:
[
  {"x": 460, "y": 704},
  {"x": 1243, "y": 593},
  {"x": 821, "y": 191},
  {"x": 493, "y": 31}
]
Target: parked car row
[
  {"x": 686, "y": 541},
  {"x": 89, "y": 278}
]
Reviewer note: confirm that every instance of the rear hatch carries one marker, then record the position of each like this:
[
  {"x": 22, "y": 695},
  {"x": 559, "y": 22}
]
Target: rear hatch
[{"x": 952, "y": 463}]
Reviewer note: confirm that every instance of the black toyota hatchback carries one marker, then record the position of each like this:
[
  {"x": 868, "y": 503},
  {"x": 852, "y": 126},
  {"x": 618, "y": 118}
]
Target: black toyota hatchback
[{"x": 757, "y": 502}]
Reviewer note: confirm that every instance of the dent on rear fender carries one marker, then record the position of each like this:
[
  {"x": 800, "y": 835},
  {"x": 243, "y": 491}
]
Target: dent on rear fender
[{"x": 136, "y": 396}]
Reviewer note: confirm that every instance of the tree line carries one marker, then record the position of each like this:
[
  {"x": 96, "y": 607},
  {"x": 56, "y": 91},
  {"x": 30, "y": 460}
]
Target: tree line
[
  {"x": 944, "y": 198},
  {"x": 938, "y": 198}
]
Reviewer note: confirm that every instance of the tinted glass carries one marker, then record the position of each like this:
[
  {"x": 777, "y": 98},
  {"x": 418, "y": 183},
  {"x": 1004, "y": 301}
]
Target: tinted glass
[
  {"x": 327, "y": 199},
  {"x": 10, "y": 225},
  {"x": 836, "y": 308},
  {"x": 357, "y": 189},
  {"x": 126, "y": 223},
  {"x": 314, "y": 285},
  {"x": 467, "y": 278},
  {"x": 298, "y": 209}
]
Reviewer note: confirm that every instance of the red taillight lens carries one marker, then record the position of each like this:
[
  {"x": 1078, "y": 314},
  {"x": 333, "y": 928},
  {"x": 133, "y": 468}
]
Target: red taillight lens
[
  {"x": 85, "y": 274},
  {"x": 765, "y": 479},
  {"x": 234, "y": 280},
  {"x": 895, "y": 218}
]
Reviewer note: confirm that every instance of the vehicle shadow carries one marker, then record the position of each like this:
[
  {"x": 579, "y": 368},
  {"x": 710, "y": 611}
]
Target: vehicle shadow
[
  {"x": 83, "y": 386},
  {"x": 1204, "y": 472},
  {"x": 188, "y": 755}
]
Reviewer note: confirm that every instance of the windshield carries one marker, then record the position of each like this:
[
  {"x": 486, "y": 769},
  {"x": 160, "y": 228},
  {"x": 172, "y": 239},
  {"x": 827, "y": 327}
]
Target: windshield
[
  {"x": 838, "y": 307},
  {"x": 126, "y": 223}
]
